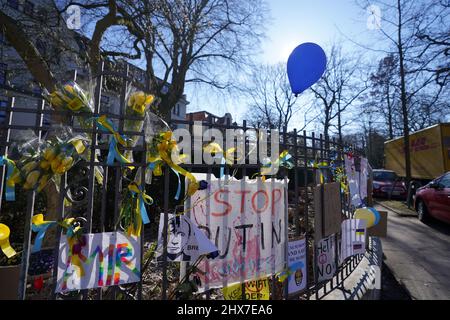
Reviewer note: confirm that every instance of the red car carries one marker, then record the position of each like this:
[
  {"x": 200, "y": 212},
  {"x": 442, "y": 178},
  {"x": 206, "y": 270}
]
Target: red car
[
  {"x": 386, "y": 182},
  {"x": 433, "y": 200}
]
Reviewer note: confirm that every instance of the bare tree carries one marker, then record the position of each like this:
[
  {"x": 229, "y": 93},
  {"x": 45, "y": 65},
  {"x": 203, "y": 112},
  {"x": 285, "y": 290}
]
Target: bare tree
[
  {"x": 272, "y": 103},
  {"x": 182, "y": 42},
  {"x": 340, "y": 87},
  {"x": 414, "y": 31}
]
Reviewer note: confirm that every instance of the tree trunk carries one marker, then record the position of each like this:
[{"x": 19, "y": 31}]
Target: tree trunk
[{"x": 403, "y": 98}]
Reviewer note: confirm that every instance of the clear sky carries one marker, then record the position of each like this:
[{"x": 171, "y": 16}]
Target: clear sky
[
  {"x": 294, "y": 22},
  {"x": 319, "y": 21}
]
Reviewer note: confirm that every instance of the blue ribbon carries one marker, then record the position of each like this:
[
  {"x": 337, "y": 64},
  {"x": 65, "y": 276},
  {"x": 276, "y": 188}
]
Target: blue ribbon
[
  {"x": 10, "y": 194},
  {"x": 222, "y": 167},
  {"x": 40, "y": 229},
  {"x": 143, "y": 210},
  {"x": 177, "y": 196}
]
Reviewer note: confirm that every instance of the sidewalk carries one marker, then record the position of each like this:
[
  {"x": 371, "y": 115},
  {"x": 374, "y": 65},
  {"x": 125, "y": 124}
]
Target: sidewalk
[{"x": 418, "y": 254}]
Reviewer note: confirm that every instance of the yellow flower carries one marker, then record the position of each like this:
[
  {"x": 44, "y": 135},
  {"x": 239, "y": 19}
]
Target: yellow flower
[
  {"x": 138, "y": 101},
  {"x": 45, "y": 164},
  {"x": 49, "y": 154}
]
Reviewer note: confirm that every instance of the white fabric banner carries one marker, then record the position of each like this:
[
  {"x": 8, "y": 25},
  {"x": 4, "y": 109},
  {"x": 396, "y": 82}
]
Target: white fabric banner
[{"x": 246, "y": 221}]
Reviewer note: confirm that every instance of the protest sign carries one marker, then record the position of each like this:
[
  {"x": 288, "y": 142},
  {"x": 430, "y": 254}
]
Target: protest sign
[
  {"x": 246, "y": 222},
  {"x": 353, "y": 238},
  {"x": 254, "y": 290},
  {"x": 185, "y": 241},
  {"x": 329, "y": 220},
  {"x": 297, "y": 266},
  {"x": 326, "y": 258},
  {"x": 82, "y": 262}
]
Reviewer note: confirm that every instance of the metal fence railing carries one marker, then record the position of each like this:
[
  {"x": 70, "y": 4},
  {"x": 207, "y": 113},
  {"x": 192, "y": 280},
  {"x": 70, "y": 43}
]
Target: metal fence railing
[{"x": 99, "y": 205}]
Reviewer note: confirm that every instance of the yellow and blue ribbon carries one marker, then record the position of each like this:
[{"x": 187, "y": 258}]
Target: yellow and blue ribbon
[
  {"x": 143, "y": 200},
  {"x": 40, "y": 226},
  {"x": 105, "y": 124},
  {"x": 10, "y": 194},
  {"x": 283, "y": 275}
]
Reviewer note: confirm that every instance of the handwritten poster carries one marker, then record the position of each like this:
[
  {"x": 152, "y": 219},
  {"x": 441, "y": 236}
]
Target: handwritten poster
[
  {"x": 297, "y": 266},
  {"x": 98, "y": 260},
  {"x": 326, "y": 258},
  {"x": 254, "y": 290},
  {"x": 185, "y": 242},
  {"x": 353, "y": 240},
  {"x": 246, "y": 222}
]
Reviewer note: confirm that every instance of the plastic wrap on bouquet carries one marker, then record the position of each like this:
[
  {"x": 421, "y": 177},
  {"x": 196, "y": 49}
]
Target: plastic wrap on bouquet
[
  {"x": 138, "y": 103},
  {"x": 77, "y": 100},
  {"x": 40, "y": 162}
]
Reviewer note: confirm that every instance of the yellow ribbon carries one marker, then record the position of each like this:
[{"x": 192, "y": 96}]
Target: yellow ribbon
[
  {"x": 165, "y": 148},
  {"x": 4, "y": 241}
]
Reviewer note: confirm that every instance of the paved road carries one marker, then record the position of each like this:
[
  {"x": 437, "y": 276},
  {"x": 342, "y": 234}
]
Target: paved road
[{"x": 418, "y": 255}]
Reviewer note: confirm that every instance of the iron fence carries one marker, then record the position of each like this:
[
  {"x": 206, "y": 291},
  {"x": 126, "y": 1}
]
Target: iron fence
[{"x": 99, "y": 205}]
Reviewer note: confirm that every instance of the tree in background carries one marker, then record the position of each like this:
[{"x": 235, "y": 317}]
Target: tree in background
[
  {"x": 339, "y": 88},
  {"x": 272, "y": 103},
  {"x": 414, "y": 32}
]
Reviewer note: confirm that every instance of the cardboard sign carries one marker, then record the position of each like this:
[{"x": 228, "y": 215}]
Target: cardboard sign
[
  {"x": 353, "y": 239},
  {"x": 326, "y": 258},
  {"x": 379, "y": 230},
  {"x": 297, "y": 266},
  {"x": 332, "y": 214},
  {"x": 254, "y": 290},
  {"x": 185, "y": 242},
  {"x": 246, "y": 222},
  {"x": 98, "y": 260}
]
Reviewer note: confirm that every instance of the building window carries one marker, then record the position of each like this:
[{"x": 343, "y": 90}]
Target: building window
[
  {"x": 14, "y": 4},
  {"x": 3, "y": 68},
  {"x": 28, "y": 8}
]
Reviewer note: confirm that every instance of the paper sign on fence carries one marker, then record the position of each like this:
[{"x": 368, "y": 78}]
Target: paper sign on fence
[
  {"x": 297, "y": 266},
  {"x": 185, "y": 242},
  {"x": 254, "y": 290},
  {"x": 326, "y": 258},
  {"x": 98, "y": 260},
  {"x": 353, "y": 238},
  {"x": 247, "y": 224}
]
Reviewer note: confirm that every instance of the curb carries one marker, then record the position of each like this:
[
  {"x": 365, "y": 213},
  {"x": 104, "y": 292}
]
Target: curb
[
  {"x": 395, "y": 210},
  {"x": 364, "y": 283}
]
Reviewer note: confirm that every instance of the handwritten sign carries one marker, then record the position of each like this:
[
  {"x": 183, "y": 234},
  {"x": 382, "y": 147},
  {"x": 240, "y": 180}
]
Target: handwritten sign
[
  {"x": 297, "y": 265},
  {"x": 326, "y": 258},
  {"x": 246, "y": 222},
  {"x": 98, "y": 260},
  {"x": 254, "y": 290},
  {"x": 353, "y": 238}
]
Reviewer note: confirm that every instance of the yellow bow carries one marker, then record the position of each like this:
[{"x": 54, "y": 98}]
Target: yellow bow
[{"x": 4, "y": 241}]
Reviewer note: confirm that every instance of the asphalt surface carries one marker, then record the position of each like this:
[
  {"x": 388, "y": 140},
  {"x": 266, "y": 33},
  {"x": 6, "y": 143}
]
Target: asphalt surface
[{"x": 418, "y": 255}]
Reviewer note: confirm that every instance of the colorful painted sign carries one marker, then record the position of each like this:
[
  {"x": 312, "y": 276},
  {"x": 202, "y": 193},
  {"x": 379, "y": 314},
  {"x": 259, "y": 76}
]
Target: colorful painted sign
[
  {"x": 98, "y": 260},
  {"x": 254, "y": 290},
  {"x": 246, "y": 221},
  {"x": 326, "y": 258},
  {"x": 353, "y": 240},
  {"x": 297, "y": 265},
  {"x": 185, "y": 242}
]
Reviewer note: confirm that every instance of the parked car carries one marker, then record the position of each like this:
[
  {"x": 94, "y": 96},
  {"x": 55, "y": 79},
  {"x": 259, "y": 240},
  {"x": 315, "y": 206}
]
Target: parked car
[
  {"x": 385, "y": 183},
  {"x": 433, "y": 199}
]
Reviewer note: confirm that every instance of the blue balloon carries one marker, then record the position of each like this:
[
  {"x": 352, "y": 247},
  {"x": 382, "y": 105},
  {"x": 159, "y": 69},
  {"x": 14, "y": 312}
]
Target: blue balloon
[{"x": 305, "y": 66}]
